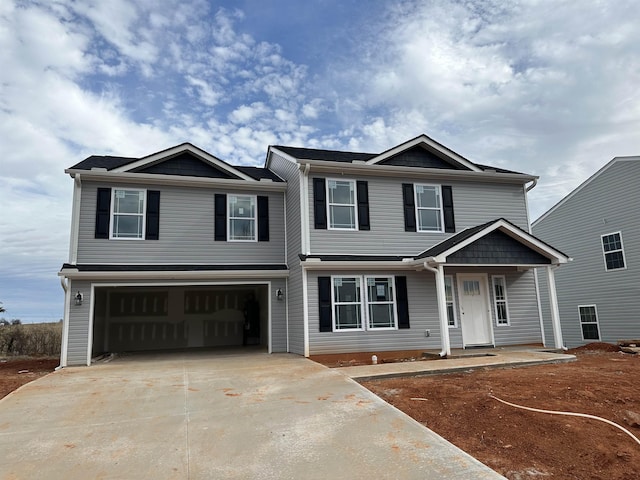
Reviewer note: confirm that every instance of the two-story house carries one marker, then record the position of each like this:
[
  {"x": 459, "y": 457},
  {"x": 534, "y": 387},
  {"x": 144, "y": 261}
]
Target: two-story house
[
  {"x": 413, "y": 248},
  {"x": 598, "y": 222}
]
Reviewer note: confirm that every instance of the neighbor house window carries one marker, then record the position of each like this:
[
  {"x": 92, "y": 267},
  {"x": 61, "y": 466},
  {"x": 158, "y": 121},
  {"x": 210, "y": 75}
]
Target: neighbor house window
[
  {"x": 341, "y": 196},
  {"x": 128, "y": 213},
  {"x": 451, "y": 308},
  {"x": 500, "y": 300},
  {"x": 589, "y": 322},
  {"x": 373, "y": 309},
  {"x": 613, "y": 251},
  {"x": 381, "y": 306},
  {"x": 242, "y": 217},
  {"x": 347, "y": 303},
  {"x": 429, "y": 208}
]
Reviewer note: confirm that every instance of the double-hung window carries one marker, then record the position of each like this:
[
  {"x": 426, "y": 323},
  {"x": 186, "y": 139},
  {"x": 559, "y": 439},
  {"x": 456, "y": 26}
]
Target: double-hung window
[
  {"x": 128, "y": 213},
  {"x": 371, "y": 309},
  {"x": 451, "y": 308},
  {"x": 500, "y": 300},
  {"x": 429, "y": 208},
  {"x": 589, "y": 322},
  {"x": 242, "y": 218},
  {"x": 341, "y": 195},
  {"x": 613, "y": 251}
]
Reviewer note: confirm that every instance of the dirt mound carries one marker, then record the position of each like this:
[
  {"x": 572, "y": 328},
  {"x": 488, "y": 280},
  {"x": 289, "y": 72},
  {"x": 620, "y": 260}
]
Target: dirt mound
[{"x": 595, "y": 347}]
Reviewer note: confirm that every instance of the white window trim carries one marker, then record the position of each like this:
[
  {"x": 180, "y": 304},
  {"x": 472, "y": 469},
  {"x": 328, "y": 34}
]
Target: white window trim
[
  {"x": 495, "y": 300},
  {"x": 255, "y": 218},
  {"x": 604, "y": 254},
  {"x": 355, "y": 204},
  {"x": 453, "y": 303},
  {"x": 597, "y": 322},
  {"x": 112, "y": 214},
  {"x": 364, "y": 304},
  {"x": 333, "y": 305},
  {"x": 392, "y": 283},
  {"x": 418, "y": 208}
]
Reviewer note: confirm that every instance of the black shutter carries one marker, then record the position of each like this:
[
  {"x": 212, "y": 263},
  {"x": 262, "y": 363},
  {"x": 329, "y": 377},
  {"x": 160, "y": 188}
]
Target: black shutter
[
  {"x": 319, "y": 203},
  {"x": 263, "y": 219},
  {"x": 402, "y": 302},
  {"x": 220, "y": 212},
  {"x": 409, "y": 207},
  {"x": 103, "y": 213},
  {"x": 153, "y": 215},
  {"x": 362, "y": 190},
  {"x": 447, "y": 204},
  {"x": 324, "y": 303}
]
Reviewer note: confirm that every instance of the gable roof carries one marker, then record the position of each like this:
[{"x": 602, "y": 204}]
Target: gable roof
[
  {"x": 325, "y": 155},
  {"x": 449, "y": 247},
  {"x": 187, "y": 160},
  {"x": 584, "y": 184}
]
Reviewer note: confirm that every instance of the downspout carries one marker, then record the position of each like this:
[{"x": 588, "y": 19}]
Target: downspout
[
  {"x": 532, "y": 186},
  {"x": 65, "y": 323},
  {"x": 442, "y": 309}
]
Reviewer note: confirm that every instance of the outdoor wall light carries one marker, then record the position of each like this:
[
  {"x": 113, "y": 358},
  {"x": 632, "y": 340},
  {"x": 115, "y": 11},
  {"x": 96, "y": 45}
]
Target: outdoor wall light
[
  {"x": 78, "y": 298},
  {"x": 279, "y": 295}
]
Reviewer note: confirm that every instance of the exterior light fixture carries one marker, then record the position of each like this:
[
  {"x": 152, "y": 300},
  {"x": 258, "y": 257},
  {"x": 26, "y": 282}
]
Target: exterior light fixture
[
  {"x": 78, "y": 298},
  {"x": 279, "y": 295}
]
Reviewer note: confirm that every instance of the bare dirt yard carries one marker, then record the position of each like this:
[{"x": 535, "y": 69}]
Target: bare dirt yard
[
  {"x": 526, "y": 445},
  {"x": 15, "y": 372}
]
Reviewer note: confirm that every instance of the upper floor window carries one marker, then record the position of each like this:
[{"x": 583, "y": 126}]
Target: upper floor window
[
  {"x": 128, "y": 214},
  {"x": 429, "y": 208},
  {"x": 242, "y": 217},
  {"x": 613, "y": 251},
  {"x": 341, "y": 195}
]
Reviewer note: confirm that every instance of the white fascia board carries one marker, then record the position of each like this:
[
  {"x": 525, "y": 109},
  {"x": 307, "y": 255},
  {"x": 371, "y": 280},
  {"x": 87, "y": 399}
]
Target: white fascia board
[
  {"x": 432, "y": 144},
  {"x": 173, "y": 275},
  {"x": 583, "y": 185},
  {"x": 177, "y": 180},
  {"x": 338, "y": 168},
  {"x": 183, "y": 147}
]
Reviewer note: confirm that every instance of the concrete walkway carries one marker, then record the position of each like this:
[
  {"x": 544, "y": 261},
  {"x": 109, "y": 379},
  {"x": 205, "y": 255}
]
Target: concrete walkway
[{"x": 216, "y": 416}]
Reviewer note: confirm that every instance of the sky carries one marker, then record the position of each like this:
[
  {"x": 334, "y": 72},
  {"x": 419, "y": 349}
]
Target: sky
[{"x": 545, "y": 87}]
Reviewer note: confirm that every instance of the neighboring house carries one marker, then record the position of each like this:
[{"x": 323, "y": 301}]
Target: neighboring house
[
  {"x": 319, "y": 252},
  {"x": 599, "y": 225}
]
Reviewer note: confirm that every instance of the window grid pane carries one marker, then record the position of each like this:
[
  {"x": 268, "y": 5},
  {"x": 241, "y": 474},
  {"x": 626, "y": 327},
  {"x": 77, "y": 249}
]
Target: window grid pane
[
  {"x": 448, "y": 293},
  {"x": 500, "y": 301},
  {"x": 242, "y": 217},
  {"x": 347, "y": 303},
  {"x": 381, "y": 304},
  {"x": 428, "y": 208},
  {"x": 342, "y": 204},
  {"x": 589, "y": 322},
  {"x": 613, "y": 251},
  {"x": 128, "y": 214}
]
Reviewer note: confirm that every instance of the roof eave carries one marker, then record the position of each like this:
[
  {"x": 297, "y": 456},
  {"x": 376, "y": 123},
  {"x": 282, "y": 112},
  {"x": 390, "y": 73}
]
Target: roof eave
[{"x": 75, "y": 274}]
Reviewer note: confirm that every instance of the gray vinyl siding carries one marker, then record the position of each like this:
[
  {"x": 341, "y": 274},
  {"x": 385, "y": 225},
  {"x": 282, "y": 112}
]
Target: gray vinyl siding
[
  {"x": 474, "y": 203},
  {"x": 289, "y": 171},
  {"x": 608, "y": 204},
  {"x": 79, "y": 315},
  {"x": 524, "y": 325},
  {"x": 186, "y": 231}
]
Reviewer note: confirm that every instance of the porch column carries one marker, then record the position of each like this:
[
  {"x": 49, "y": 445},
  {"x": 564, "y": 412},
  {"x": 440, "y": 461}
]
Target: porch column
[
  {"x": 553, "y": 305},
  {"x": 442, "y": 310}
]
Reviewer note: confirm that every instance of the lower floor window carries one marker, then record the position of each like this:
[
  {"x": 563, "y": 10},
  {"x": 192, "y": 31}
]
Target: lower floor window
[
  {"x": 589, "y": 322},
  {"x": 451, "y": 309},
  {"x": 375, "y": 308},
  {"x": 500, "y": 300}
]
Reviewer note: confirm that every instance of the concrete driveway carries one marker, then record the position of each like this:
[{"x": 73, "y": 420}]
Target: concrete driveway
[{"x": 215, "y": 416}]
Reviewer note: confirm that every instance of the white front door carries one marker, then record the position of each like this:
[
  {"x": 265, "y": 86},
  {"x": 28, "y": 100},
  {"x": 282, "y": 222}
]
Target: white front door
[{"x": 474, "y": 310}]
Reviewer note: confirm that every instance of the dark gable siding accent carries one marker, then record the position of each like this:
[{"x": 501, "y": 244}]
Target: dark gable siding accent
[
  {"x": 421, "y": 158},
  {"x": 103, "y": 213},
  {"x": 324, "y": 304},
  {"x": 220, "y": 212},
  {"x": 186, "y": 164},
  {"x": 447, "y": 204},
  {"x": 263, "y": 219},
  {"x": 497, "y": 248},
  {"x": 409, "y": 207},
  {"x": 153, "y": 215},
  {"x": 320, "y": 203},
  {"x": 402, "y": 302},
  {"x": 362, "y": 190}
]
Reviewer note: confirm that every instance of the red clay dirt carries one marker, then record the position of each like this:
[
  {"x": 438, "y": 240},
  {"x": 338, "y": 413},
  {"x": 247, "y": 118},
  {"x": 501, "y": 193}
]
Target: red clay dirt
[
  {"x": 526, "y": 445},
  {"x": 16, "y": 372}
]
